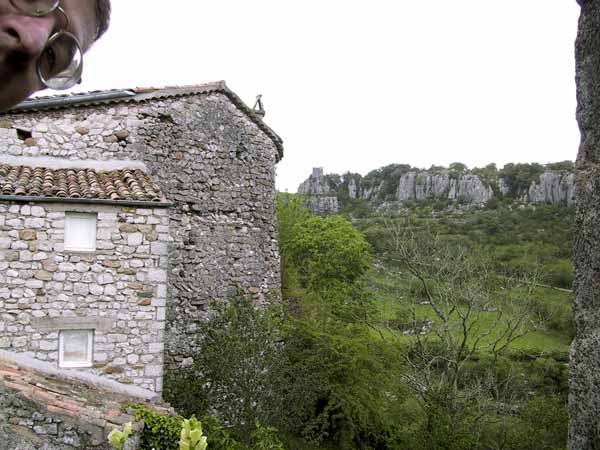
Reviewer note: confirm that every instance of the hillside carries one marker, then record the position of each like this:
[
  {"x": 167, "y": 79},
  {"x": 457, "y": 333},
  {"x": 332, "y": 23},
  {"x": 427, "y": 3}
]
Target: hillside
[{"x": 398, "y": 185}]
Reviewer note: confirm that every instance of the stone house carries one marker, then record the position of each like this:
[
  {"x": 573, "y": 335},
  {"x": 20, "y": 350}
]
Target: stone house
[{"x": 123, "y": 213}]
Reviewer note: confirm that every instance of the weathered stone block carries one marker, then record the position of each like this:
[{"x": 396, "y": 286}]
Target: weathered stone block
[
  {"x": 27, "y": 235},
  {"x": 43, "y": 275}
]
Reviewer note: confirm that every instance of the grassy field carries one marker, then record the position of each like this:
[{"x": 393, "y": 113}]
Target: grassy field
[
  {"x": 394, "y": 300},
  {"x": 536, "y": 239}
]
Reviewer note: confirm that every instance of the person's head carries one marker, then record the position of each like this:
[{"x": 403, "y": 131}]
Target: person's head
[{"x": 42, "y": 43}]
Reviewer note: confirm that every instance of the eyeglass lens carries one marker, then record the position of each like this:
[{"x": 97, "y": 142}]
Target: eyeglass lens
[{"x": 61, "y": 62}]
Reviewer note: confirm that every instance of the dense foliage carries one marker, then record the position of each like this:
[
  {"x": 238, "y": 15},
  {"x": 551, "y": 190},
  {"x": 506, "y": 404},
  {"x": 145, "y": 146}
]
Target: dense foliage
[
  {"x": 421, "y": 332},
  {"x": 163, "y": 432}
]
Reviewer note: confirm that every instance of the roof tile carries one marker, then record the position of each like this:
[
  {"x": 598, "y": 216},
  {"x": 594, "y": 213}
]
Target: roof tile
[{"x": 123, "y": 184}]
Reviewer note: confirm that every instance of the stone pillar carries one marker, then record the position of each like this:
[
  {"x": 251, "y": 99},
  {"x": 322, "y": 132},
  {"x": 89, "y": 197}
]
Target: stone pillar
[{"x": 584, "y": 384}]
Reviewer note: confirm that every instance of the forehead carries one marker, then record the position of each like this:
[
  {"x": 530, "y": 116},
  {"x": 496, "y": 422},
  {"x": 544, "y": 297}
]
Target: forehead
[{"x": 82, "y": 15}]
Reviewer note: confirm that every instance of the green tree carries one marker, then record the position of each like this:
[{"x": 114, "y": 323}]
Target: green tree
[
  {"x": 233, "y": 372},
  {"x": 564, "y": 166},
  {"x": 329, "y": 254},
  {"x": 291, "y": 210},
  {"x": 519, "y": 177},
  {"x": 457, "y": 169}
]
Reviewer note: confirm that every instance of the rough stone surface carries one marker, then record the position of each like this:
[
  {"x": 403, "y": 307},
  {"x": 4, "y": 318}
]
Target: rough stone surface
[
  {"x": 553, "y": 187},
  {"x": 42, "y": 283},
  {"x": 323, "y": 205},
  {"x": 213, "y": 162},
  {"x": 322, "y": 199},
  {"x": 42, "y": 408},
  {"x": 584, "y": 379}
]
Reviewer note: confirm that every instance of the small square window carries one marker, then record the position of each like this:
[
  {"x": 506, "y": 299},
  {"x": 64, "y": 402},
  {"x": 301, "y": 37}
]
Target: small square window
[
  {"x": 80, "y": 232},
  {"x": 75, "y": 348}
]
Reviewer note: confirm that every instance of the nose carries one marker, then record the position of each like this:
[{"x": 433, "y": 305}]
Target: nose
[{"x": 26, "y": 35}]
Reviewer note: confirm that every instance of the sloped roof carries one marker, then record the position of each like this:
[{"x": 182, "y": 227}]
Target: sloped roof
[
  {"x": 125, "y": 185},
  {"x": 139, "y": 95}
]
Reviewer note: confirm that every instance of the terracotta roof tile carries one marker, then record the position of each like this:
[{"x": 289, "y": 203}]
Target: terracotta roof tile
[{"x": 123, "y": 184}]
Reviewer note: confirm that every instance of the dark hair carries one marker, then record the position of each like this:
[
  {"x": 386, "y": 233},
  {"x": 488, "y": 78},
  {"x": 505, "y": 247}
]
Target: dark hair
[{"x": 102, "y": 17}]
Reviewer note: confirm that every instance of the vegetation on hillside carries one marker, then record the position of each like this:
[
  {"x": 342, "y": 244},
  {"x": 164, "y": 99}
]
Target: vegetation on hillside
[{"x": 424, "y": 332}]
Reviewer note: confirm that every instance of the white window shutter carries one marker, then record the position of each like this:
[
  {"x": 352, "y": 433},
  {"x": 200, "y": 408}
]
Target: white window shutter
[
  {"x": 80, "y": 232},
  {"x": 75, "y": 348}
]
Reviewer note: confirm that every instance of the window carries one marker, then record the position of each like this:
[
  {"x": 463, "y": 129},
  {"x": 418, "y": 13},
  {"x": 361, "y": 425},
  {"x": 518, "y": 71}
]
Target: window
[
  {"x": 75, "y": 348},
  {"x": 80, "y": 232}
]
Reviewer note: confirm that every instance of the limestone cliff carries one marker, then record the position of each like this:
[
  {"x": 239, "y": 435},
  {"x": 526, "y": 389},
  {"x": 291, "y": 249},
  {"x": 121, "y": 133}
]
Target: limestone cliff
[
  {"x": 322, "y": 196},
  {"x": 553, "y": 183},
  {"x": 421, "y": 186},
  {"x": 553, "y": 187}
]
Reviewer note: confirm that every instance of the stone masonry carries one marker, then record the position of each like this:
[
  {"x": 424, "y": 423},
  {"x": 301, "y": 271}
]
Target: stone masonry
[
  {"x": 213, "y": 159},
  {"x": 118, "y": 290}
]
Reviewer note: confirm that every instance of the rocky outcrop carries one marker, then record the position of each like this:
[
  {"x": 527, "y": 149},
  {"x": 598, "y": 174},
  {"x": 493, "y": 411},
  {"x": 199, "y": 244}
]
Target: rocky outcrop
[
  {"x": 553, "y": 187},
  {"x": 352, "y": 188},
  {"x": 472, "y": 189},
  {"x": 371, "y": 192},
  {"x": 321, "y": 198},
  {"x": 503, "y": 187},
  {"x": 42, "y": 407},
  {"x": 328, "y": 192},
  {"x": 421, "y": 186},
  {"x": 323, "y": 205},
  {"x": 316, "y": 184},
  {"x": 407, "y": 186}
]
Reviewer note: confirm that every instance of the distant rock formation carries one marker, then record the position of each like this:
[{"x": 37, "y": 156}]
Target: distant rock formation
[
  {"x": 322, "y": 199},
  {"x": 327, "y": 192},
  {"x": 420, "y": 186},
  {"x": 553, "y": 187},
  {"x": 316, "y": 184}
]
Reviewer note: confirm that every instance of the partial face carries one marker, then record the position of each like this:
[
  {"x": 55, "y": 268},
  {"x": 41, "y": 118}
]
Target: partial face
[{"x": 22, "y": 39}]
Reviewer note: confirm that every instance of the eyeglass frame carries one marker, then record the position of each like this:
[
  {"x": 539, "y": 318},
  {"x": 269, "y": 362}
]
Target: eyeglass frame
[{"x": 76, "y": 78}]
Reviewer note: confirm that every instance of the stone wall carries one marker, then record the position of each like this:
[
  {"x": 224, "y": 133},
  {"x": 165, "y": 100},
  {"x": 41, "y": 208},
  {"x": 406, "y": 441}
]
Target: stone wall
[
  {"x": 118, "y": 290},
  {"x": 211, "y": 160},
  {"x": 43, "y": 408}
]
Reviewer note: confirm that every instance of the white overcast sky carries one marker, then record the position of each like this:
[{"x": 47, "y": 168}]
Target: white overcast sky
[{"x": 354, "y": 85}]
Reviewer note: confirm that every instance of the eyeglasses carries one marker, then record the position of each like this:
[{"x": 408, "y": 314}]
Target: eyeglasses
[{"x": 60, "y": 64}]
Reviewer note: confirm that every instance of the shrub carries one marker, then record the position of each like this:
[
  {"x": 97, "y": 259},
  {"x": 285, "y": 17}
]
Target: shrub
[
  {"x": 233, "y": 370},
  {"x": 328, "y": 253},
  {"x": 160, "y": 432}
]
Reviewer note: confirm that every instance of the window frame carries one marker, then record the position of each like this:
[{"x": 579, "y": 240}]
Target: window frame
[
  {"x": 69, "y": 229},
  {"x": 89, "y": 354}
]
